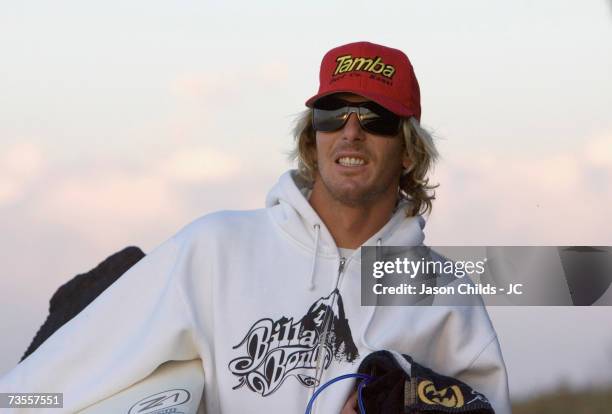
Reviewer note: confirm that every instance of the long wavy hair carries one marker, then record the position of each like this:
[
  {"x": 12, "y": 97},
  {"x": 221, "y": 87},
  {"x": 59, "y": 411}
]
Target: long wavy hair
[{"x": 418, "y": 145}]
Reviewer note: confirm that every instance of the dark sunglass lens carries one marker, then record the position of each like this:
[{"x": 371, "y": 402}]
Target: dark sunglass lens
[
  {"x": 328, "y": 120},
  {"x": 378, "y": 120}
]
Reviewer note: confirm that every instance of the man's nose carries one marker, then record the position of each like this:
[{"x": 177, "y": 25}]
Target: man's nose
[{"x": 352, "y": 128}]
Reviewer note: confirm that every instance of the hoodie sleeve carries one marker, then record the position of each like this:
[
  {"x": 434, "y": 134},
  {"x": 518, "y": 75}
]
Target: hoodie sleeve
[
  {"x": 487, "y": 374},
  {"x": 135, "y": 325}
]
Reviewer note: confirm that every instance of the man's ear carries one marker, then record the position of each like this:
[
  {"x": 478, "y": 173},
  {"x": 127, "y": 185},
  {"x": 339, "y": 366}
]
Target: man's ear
[{"x": 406, "y": 163}]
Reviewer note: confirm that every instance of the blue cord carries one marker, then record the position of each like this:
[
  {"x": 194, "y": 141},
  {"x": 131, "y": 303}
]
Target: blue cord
[
  {"x": 366, "y": 379},
  {"x": 360, "y": 388}
]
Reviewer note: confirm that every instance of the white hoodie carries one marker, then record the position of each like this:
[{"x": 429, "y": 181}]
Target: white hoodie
[{"x": 246, "y": 292}]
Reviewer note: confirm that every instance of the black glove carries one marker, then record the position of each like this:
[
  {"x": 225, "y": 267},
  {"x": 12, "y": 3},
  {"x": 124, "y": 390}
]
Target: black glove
[{"x": 401, "y": 386}]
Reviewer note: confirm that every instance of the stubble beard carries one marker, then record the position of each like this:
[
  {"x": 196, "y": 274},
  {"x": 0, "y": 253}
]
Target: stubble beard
[{"x": 359, "y": 197}]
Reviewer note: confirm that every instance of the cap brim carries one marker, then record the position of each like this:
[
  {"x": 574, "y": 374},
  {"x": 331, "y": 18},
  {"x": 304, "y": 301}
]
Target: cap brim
[{"x": 384, "y": 101}]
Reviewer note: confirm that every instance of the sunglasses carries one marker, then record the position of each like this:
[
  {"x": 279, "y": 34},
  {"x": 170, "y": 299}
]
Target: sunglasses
[{"x": 330, "y": 114}]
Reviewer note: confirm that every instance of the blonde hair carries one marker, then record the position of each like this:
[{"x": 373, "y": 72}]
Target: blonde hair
[{"x": 418, "y": 145}]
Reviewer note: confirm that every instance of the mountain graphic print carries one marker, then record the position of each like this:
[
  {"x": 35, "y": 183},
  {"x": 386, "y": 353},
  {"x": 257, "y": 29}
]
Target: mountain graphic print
[{"x": 274, "y": 350}]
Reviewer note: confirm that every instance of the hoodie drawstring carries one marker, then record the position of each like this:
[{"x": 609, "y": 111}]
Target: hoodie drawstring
[
  {"x": 317, "y": 229},
  {"x": 371, "y": 315}
]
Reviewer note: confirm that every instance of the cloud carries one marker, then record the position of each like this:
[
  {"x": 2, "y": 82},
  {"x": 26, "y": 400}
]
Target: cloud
[
  {"x": 598, "y": 152},
  {"x": 559, "y": 199},
  {"x": 19, "y": 166},
  {"x": 105, "y": 197},
  {"x": 109, "y": 202},
  {"x": 199, "y": 164},
  {"x": 214, "y": 86}
]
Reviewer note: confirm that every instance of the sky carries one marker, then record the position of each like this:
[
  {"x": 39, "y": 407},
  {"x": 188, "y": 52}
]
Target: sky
[{"x": 121, "y": 122}]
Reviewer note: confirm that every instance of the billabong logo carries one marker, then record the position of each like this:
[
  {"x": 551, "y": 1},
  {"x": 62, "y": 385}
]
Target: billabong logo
[
  {"x": 347, "y": 63},
  {"x": 450, "y": 397},
  {"x": 277, "y": 350},
  {"x": 161, "y": 402}
]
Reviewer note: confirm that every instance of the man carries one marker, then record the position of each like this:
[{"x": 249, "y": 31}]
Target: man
[{"x": 270, "y": 299}]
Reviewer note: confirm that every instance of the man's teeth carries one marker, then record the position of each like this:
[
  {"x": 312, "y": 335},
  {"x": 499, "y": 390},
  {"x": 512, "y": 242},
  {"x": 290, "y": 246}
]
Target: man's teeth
[{"x": 349, "y": 162}]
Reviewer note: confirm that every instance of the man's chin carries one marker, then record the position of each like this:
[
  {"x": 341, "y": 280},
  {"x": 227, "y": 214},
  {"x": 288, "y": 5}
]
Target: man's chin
[
  {"x": 351, "y": 196},
  {"x": 351, "y": 191}
]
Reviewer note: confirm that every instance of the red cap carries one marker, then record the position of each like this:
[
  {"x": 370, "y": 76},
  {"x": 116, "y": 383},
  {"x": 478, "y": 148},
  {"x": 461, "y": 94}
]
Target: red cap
[{"x": 376, "y": 72}]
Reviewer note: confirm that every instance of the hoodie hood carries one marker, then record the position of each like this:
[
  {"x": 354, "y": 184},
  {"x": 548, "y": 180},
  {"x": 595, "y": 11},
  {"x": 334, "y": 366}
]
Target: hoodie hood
[{"x": 297, "y": 218}]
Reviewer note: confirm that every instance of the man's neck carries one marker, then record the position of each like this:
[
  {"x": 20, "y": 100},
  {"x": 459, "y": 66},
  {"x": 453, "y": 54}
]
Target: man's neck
[{"x": 350, "y": 225}]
